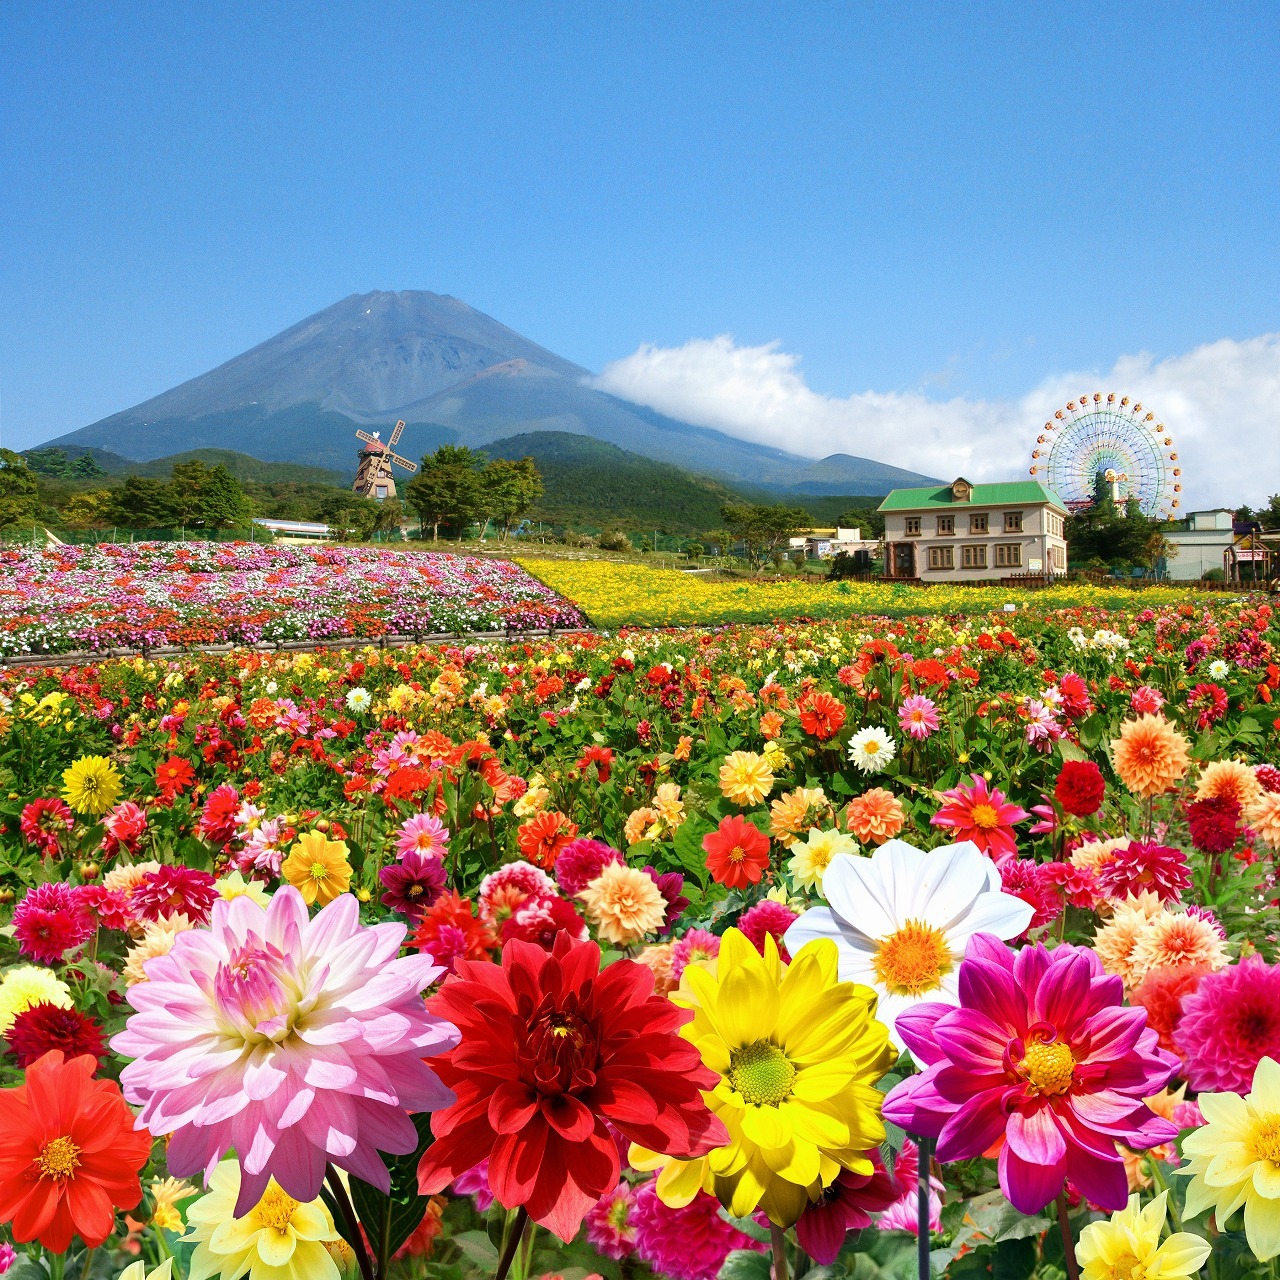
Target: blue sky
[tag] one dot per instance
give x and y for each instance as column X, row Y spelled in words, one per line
column 955, row 201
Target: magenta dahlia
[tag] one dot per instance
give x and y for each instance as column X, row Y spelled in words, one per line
column 690, row 1243
column 296, row 1041
column 413, row 883
column 609, row 1228
column 1036, row 884
column 1228, row 1024
column 671, row 885
column 50, row 921
column 767, row 917
column 981, row 814
column 1144, row 867
column 580, row 862
column 169, row 891
column 1043, row 1060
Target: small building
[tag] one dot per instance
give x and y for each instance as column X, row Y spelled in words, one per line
column 298, row 530
column 1201, row 540
column 963, row 532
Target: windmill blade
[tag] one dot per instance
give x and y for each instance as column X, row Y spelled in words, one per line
column 403, row 462
column 364, row 435
column 395, row 435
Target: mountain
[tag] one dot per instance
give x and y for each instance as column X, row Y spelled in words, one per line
column 454, row 375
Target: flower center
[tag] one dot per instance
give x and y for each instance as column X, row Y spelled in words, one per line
column 275, row 1209
column 737, row 853
column 913, row 960
column 1049, row 1066
column 985, row 817
column 761, row 1073
column 58, row 1159
column 1266, row 1139
column 1127, row 1267
column 871, row 746
column 255, row 994
column 319, row 871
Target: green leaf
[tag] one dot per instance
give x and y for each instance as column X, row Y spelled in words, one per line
column 748, row 1226
column 479, row 1249
column 745, row 1264
column 399, row 1213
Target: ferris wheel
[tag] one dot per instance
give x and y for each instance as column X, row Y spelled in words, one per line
column 1106, row 445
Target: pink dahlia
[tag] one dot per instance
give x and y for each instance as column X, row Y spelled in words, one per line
column 983, row 815
column 110, row 907
column 123, row 828
column 609, row 1228
column 580, row 862
column 1145, row 700
column 1041, row 1061
column 767, row 917
column 505, row 890
column 904, row 1213
column 689, row 1243
column 296, row 1041
column 1268, row 775
column 475, row 1182
column 44, row 822
column 918, row 716
column 846, row 1205
column 1144, row 867
column 697, row 944
column 1036, row 884
column 1228, row 1024
column 168, row 891
column 50, row 921
column 423, row 833
column 413, row 883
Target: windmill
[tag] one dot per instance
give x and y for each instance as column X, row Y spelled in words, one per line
column 374, row 478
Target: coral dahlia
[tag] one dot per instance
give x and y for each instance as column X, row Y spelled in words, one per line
column 1150, row 755
column 982, row 815
column 737, row 853
column 875, row 816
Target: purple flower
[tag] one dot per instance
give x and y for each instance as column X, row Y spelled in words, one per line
column 671, row 886
column 413, row 883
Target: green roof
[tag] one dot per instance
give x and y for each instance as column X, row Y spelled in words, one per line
column 1009, row 493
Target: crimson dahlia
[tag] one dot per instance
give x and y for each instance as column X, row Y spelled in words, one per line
column 552, row 1049
column 1080, row 788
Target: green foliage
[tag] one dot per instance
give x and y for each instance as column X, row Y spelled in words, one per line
column 19, row 492
column 448, row 490
column 1105, row 534
column 508, row 489
column 763, row 530
column 54, row 462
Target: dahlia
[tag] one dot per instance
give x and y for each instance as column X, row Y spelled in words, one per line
column 166, row 1195
column 623, row 904
column 918, row 716
column 601, row 757
column 671, row 885
column 983, row 816
column 71, row 1154
column 174, row 890
column 413, row 883
column 91, row 785
column 1209, row 702
column 690, row 1242
column 1036, row 885
column 822, row 716
column 157, row 940
column 1116, row 942
column 696, row 947
column 1230, row 1022
column 1175, row 939
column 503, row 890
column 901, row 921
column 110, row 908
column 1150, row 755
column 771, row 918
column 580, row 861
column 42, row 1027
column 657, row 959
column 737, row 853
column 1043, row 1060
column 218, row 817
column 846, row 1205
column 1146, row 701
column 319, row 868
column 1235, row 1160
column 871, row 749
column 745, row 778
column 794, row 812
column 542, row 920
column 234, row 885
column 475, row 1182
column 904, row 1213
column 27, row 985
column 1133, row 1243
column 124, row 827
column 551, row 1048
column 43, row 823
column 1229, row 780
column 809, row 861
column 609, row 1229
column 794, row 1057
column 641, row 824
column 666, row 800
column 422, row 833
column 174, row 776
column 875, row 816
column 1142, row 866
column 311, row 1022
column 1268, row 776
column 1264, row 819
column 50, row 921
column 1214, row 824
column 1163, row 993
column 449, row 930
column 1080, row 788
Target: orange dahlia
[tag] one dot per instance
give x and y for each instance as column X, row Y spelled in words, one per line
column 543, row 836
column 1229, row 780
column 875, row 816
column 1150, row 755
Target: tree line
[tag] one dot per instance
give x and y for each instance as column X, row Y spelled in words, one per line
column 457, row 487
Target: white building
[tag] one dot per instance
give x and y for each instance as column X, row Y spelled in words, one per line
column 1201, row 542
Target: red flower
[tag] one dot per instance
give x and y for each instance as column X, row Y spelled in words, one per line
column 737, row 853
column 218, row 819
column 43, row 1027
column 541, row 920
column 1213, row 823
column 601, row 757
column 70, row 1155
column 982, row 815
column 1080, row 788
column 767, row 917
column 50, row 921
column 551, row 1050
column 846, row 1205
column 822, row 716
column 1144, row 866
column 174, row 776
column 1162, row 993
column 1209, row 702
column 44, row 822
column 450, row 931
column 171, row 891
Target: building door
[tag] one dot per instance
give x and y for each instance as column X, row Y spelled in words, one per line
column 902, row 560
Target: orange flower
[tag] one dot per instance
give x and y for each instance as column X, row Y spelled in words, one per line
column 822, row 716
column 771, row 725
column 683, row 748
column 1229, row 780
column 543, row 836
column 875, row 816
column 1150, row 755
column 70, row 1156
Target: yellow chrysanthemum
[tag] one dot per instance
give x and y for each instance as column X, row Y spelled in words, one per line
column 26, row 985
column 318, row 868
column 810, row 860
column 1129, row 1245
column 91, row 785
column 278, row 1239
column 1235, row 1160
column 623, row 904
column 798, row 1053
column 166, row 1193
column 745, row 778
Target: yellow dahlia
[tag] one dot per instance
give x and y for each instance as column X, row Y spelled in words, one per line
column 1150, row 755
column 26, row 985
column 745, row 778
column 798, row 1053
column 1129, row 1245
column 623, row 904
column 166, row 1194
column 235, row 886
column 666, row 800
column 91, row 785
column 810, row 860
column 318, row 868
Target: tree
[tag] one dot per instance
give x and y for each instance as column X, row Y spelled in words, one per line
column 447, row 489
column 223, row 503
column 508, row 489
column 19, row 492
column 141, row 502
column 1104, row 533
column 89, row 510
column 763, row 530
column 85, row 468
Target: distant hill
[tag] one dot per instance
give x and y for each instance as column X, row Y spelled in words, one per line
column 454, row 375
column 241, row 465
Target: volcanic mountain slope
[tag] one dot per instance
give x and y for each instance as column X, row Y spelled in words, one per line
column 454, row 375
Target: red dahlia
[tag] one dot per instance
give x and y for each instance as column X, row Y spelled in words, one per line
column 552, row 1049
column 1080, row 788
column 42, row 1027
column 1213, row 823
column 171, row 891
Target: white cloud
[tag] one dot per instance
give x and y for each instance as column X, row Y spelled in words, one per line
column 1221, row 403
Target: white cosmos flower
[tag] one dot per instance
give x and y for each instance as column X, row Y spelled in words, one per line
column 902, row 918
column 1219, row 670
column 871, row 749
column 359, row 699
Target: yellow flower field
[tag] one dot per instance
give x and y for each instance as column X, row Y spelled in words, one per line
column 615, row 594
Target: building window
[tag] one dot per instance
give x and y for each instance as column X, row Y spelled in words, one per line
column 975, row 558
column 1008, row 555
column 913, row 526
column 942, row 558
column 1013, row 522
column 946, row 526
column 978, row 524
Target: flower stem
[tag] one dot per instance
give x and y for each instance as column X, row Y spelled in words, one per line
column 1068, row 1245
column 924, row 1236
column 352, row 1222
column 779, row 1242
column 88, row 1262
column 513, row 1242
column 57, row 1264
column 1174, row 1216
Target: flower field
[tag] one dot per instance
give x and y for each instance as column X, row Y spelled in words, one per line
column 615, row 594
column 147, row 595
column 741, row 952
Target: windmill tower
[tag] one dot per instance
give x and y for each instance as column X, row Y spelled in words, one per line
column 374, row 478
